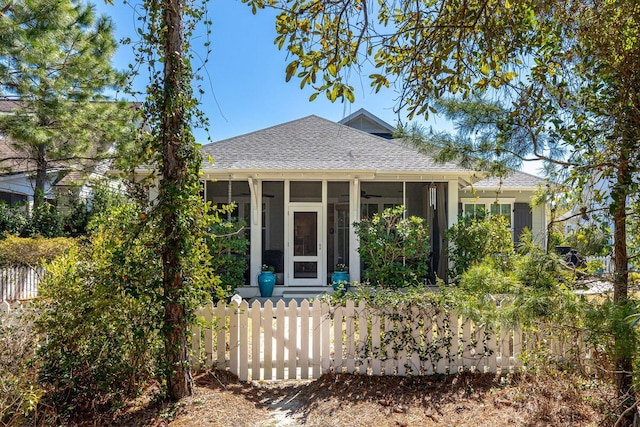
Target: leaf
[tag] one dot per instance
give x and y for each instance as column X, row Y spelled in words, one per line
column 332, row 70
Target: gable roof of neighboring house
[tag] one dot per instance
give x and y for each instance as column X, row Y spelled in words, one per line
column 316, row 144
column 515, row 181
column 367, row 122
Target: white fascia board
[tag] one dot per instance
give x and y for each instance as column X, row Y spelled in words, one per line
column 337, row 174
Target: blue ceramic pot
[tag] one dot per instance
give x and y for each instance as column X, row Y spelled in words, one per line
column 266, row 283
column 340, row 282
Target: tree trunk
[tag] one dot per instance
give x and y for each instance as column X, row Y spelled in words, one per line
column 179, row 380
column 623, row 338
column 41, row 176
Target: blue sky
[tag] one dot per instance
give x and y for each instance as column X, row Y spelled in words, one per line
column 244, row 80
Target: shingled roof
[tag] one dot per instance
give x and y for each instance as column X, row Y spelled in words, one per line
column 516, row 180
column 314, row 143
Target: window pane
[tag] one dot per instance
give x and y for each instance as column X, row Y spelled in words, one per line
column 469, row 210
column 306, row 191
column 305, row 270
column 305, row 233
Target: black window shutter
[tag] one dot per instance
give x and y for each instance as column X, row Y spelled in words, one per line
column 522, row 218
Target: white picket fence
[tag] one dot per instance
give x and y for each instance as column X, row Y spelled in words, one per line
column 304, row 341
column 19, row 283
column 607, row 263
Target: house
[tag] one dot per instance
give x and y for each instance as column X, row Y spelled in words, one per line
column 300, row 185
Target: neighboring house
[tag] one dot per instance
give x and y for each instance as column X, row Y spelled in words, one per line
column 65, row 179
column 300, row 186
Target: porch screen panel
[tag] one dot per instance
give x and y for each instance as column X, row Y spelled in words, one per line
column 305, row 238
column 305, row 228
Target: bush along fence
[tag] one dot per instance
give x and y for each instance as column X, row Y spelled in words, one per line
column 607, row 263
column 306, row 340
column 19, row 283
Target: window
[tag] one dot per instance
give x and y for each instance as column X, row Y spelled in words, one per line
column 475, row 210
column 479, row 208
column 502, row 209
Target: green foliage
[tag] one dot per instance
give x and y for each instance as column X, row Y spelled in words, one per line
column 18, row 369
column 32, row 251
column 56, row 58
column 228, row 246
column 101, row 308
column 45, row 220
column 395, row 250
column 611, row 330
column 474, row 239
column 589, row 240
column 13, row 218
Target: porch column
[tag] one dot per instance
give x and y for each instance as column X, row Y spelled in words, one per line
column 354, row 215
column 255, row 188
column 452, row 205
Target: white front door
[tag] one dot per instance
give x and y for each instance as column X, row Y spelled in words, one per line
column 305, row 254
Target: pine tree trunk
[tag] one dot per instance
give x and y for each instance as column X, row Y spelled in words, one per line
column 41, row 176
column 623, row 342
column 179, row 380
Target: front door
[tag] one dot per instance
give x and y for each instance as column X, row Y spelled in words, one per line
column 305, row 260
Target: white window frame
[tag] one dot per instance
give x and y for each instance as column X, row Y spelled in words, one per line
column 487, row 202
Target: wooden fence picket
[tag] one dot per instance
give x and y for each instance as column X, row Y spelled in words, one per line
column 304, row 340
column 279, row 335
column 221, row 336
column 376, row 365
column 256, row 334
column 325, row 330
column 454, row 349
column 350, row 336
column 337, row 339
column 267, row 327
column 363, row 338
column 292, row 345
column 316, row 333
column 234, row 338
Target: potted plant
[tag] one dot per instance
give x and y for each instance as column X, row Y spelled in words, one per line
column 340, row 279
column 266, row 281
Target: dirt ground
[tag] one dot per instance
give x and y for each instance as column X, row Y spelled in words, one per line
column 352, row 400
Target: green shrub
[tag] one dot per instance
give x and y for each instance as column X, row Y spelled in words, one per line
column 102, row 311
column 395, row 251
column 472, row 240
column 590, row 240
column 13, row 219
column 45, row 220
column 34, row 251
column 19, row 389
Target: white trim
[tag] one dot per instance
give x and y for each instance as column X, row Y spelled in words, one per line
column 290, row 259
column 255, row 255
column 354, row 244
